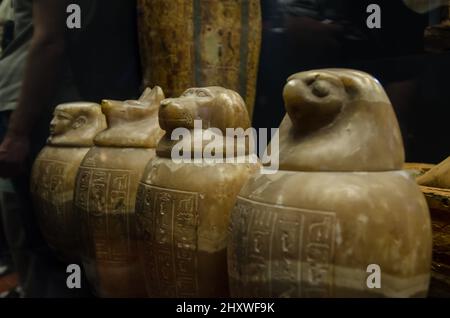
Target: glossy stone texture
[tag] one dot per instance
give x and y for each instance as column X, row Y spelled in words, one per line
column 183, row 208
column 438, row 176
column 195, row 43
column 339, row 203
column 72, row 132
column 106, row 192
column 435, row 184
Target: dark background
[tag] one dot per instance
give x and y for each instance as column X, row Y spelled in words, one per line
column 296, row 39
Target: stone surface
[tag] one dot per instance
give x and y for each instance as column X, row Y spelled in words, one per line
column 339, row 120
column 183, row 208
column 132, row 123
column 73, row 129
column 76, row 125
column 439, row 204
column 339, row 203
column 438, row 176
column 216, row 107
column 416, row 169
column 438, row 200
column 106, row 190
column 313, row 234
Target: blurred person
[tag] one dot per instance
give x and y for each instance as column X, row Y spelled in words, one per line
column 6, row 23
column 99, row 60
column 313, row 34
column 8, row 199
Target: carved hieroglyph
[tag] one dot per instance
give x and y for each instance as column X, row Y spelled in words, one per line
column 284, row 234
column 339, row 203
column 183, row 209
column 196, row 43
column 72, row 132
column 106, row 192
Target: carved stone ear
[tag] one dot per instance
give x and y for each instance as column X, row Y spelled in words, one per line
column 153, row 97
column 145, row 95
column 79, row 122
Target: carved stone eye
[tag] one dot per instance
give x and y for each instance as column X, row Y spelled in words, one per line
column 202, row 94
column 321, row 89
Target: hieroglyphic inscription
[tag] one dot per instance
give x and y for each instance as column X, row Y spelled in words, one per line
column 103, row 196
column 167, row 221
column 279, row 251
column 48, row 188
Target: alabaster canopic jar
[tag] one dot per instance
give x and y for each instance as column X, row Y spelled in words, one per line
column 106, row 192
column 183, row 207
column 72, row 132
column 339, row 205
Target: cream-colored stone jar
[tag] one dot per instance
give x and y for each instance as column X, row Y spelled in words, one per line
column 72, row 132
column 106, row 192
column 340, row 208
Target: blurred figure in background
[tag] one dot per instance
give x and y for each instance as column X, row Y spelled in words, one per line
column 8, row 199
column 46, row 64
column 6, row 23
column 302, row 35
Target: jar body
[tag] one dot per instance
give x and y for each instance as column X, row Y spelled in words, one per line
column 316, row 234
column 52, row 188
column 183, row 217
column 105, row 198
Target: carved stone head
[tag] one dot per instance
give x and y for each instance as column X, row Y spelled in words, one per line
column 339, row 120
column 76, row 124
column 216, row 107
column 132, row 123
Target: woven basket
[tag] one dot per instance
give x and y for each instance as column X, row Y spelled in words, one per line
column 439, row 204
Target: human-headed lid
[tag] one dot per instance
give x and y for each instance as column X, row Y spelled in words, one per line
column 338, row 120
column 76, row 124
column 132, row 123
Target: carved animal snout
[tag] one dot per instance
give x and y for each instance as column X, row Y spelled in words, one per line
column 175, row 113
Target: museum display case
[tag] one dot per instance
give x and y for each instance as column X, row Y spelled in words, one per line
column 280, row 149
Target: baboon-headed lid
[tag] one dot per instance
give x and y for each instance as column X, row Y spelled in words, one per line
column 216, row 111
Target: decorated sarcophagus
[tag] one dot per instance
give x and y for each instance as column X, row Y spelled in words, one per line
column 340, row 218
column 72, row 133
column 188, row 191
column 196, row 43
column 106, row 192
